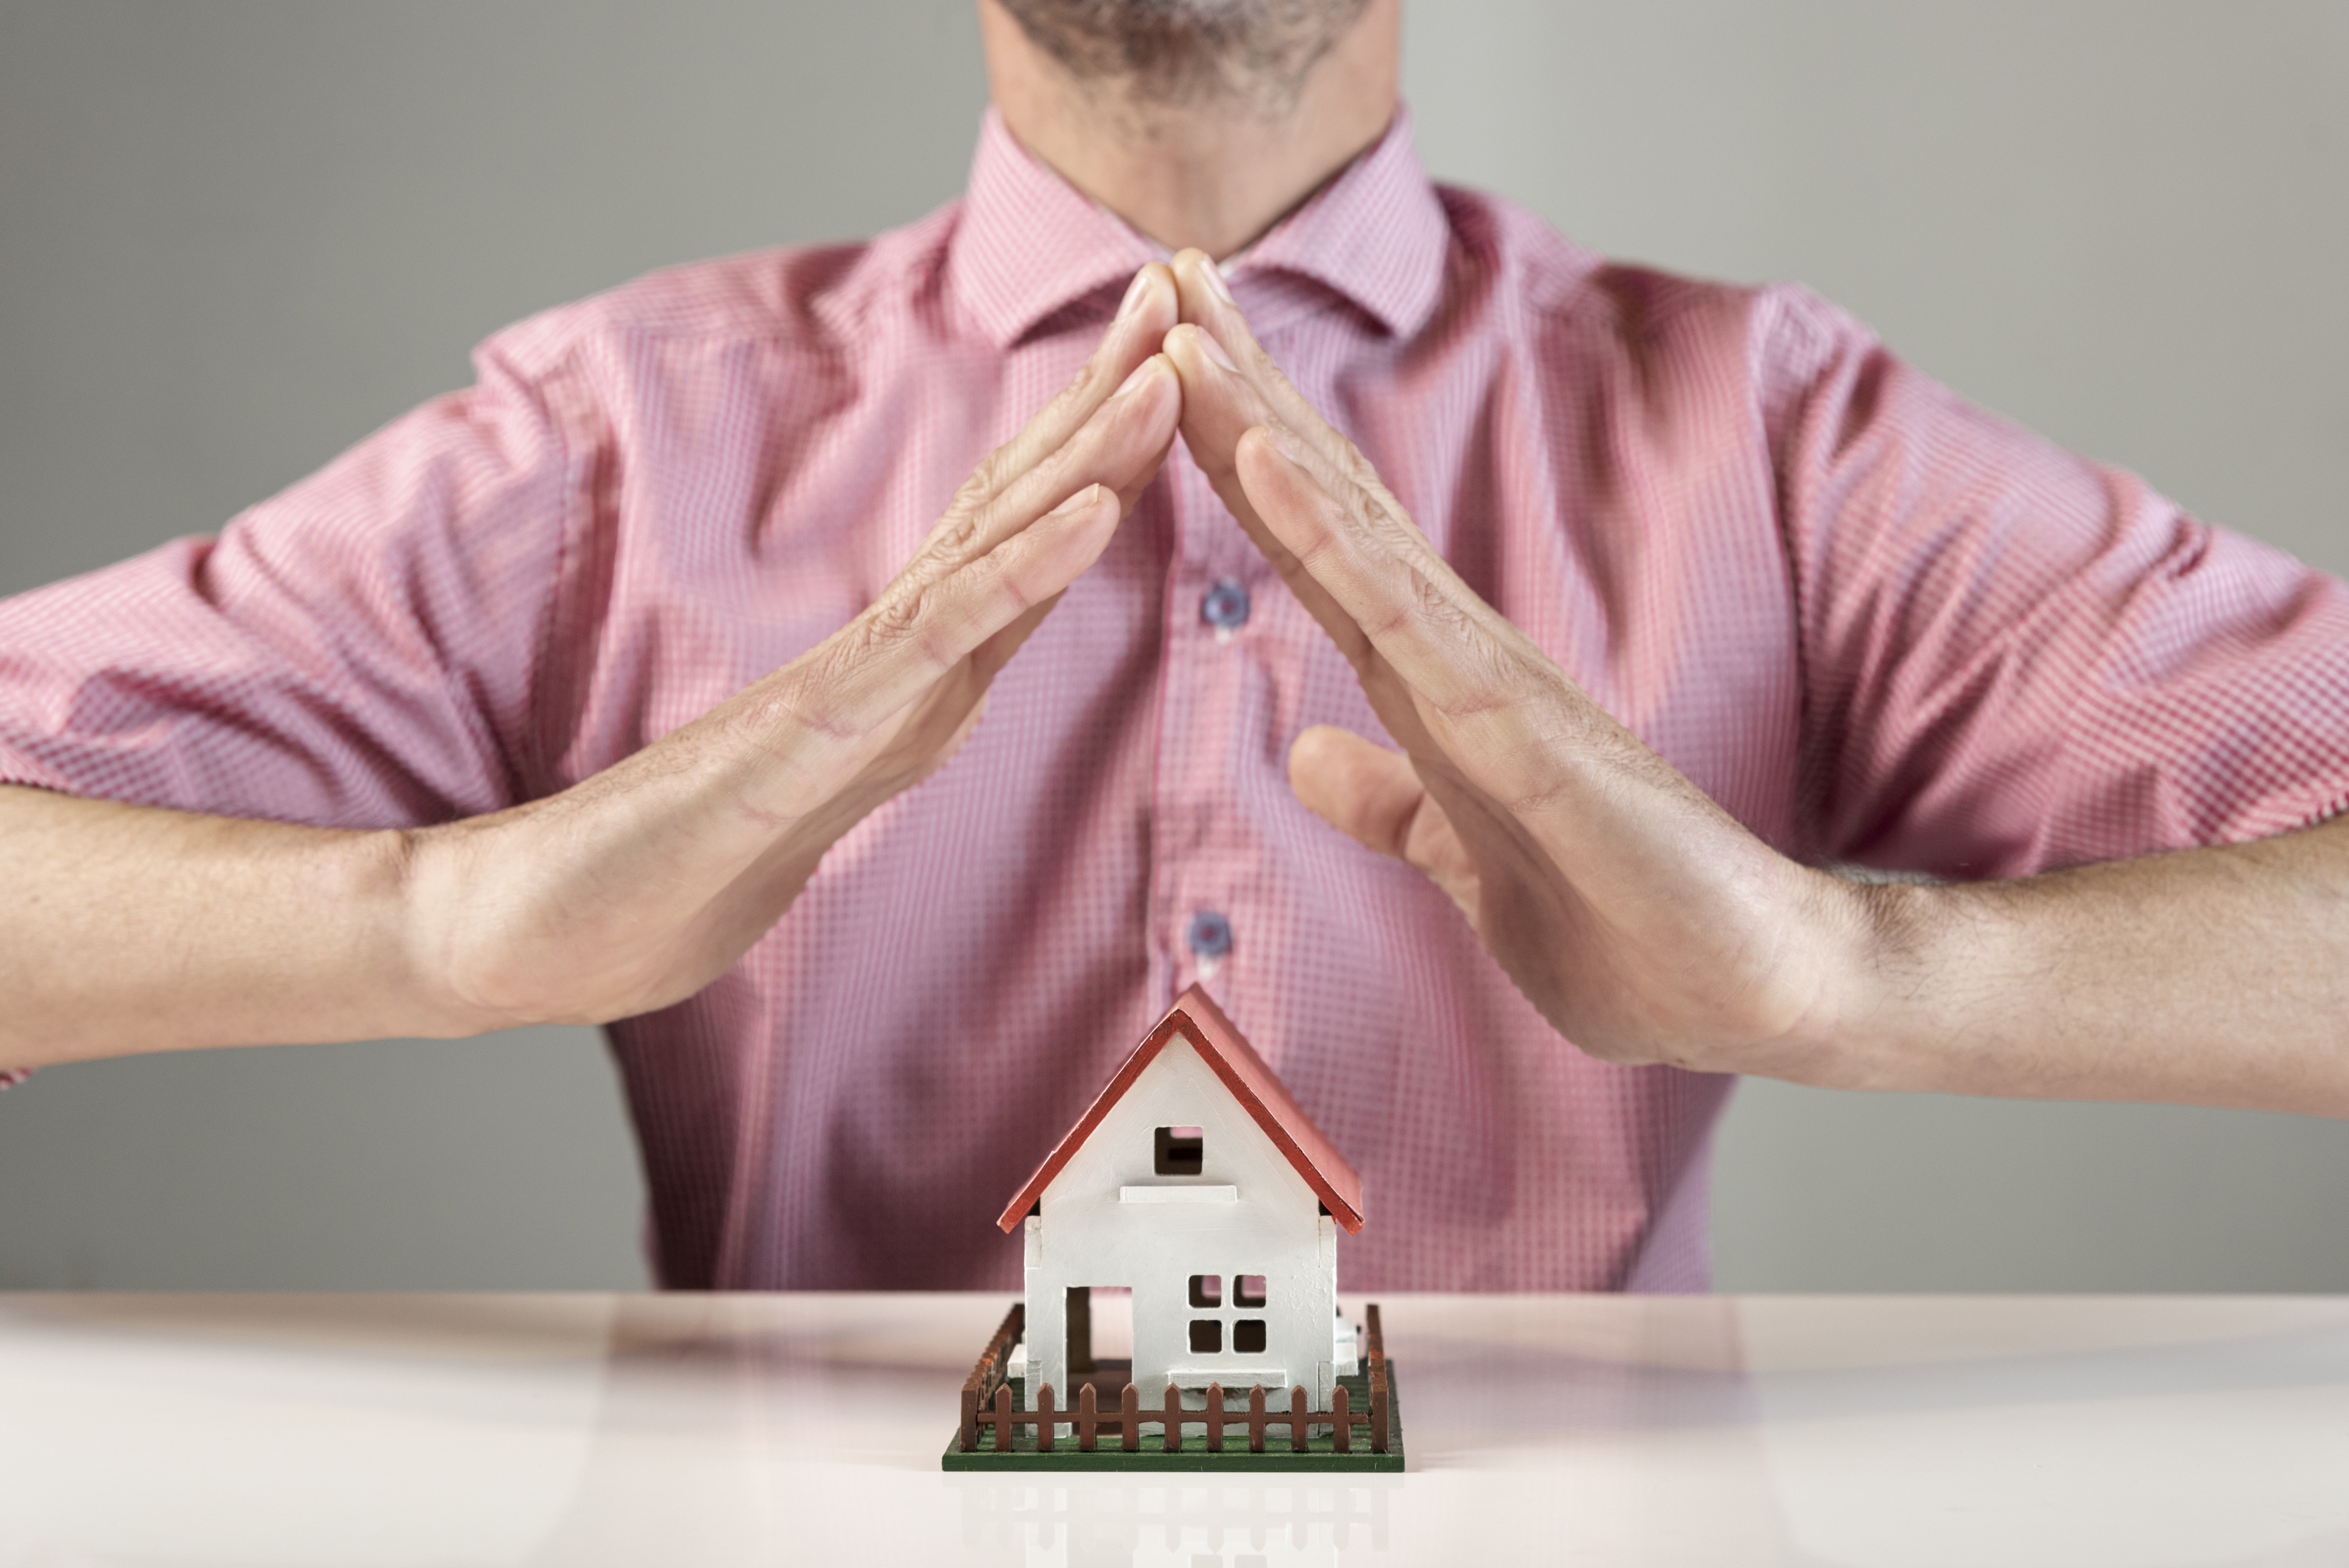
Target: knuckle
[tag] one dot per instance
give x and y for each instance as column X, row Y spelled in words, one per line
column 1082, row 388
column 1532, row 784
column 1427, row 596
column 892, row 619
column 907, row 619
column 1008, row 587
column 983, row 481
column 1314, row 550
column 797, row 701
column 957, row 533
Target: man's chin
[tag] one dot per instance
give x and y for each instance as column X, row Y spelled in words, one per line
column 1189, row 51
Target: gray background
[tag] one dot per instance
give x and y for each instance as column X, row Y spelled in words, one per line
column 237, row 234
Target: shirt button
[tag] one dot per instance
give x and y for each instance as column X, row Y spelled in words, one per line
column 1210, row 934
column 1226, row 608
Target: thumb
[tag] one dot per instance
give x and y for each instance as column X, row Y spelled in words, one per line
column 1365, row 791
column 1374, row 797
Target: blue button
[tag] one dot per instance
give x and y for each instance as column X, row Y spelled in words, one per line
column 1225, row 607
column 1210, row 934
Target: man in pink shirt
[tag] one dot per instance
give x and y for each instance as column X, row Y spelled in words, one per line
column 1596, row 609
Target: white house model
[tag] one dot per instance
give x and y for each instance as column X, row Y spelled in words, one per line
column 1196, row 1182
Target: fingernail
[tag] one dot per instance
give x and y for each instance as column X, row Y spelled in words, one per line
column 1134, row 293
column 1088, row 497
column 1142, row 373
column 1214, row 351
column 1222, row 290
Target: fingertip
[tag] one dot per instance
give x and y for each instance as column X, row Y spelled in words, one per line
column 1261, row 447
column 1136, row 292
column 1314, row 739
column 1261, row 471
column 1320, row 748
column 1308, row 783
column 1363, row 790
column 1211, row 347
column 1205, row 292
column 1141, row 389
column 1186, row 262
column 1322, row 767
column 1194, row 351
column 1082, row 501
column 1141, row 375
column 1154, row 297
column 1307, row 754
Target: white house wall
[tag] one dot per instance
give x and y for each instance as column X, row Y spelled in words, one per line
column 1271, row 1225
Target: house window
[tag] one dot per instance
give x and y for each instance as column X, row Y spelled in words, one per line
column 1248, row 1290
column 1206, row 1337
column 1207, row 1290
column 1179, row 1151
column 1247, row 1336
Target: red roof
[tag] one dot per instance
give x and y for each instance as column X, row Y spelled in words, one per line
column 1195, row 1017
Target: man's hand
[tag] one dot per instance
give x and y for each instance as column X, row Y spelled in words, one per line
column 639, row 886
column 144, row 930
column 1648, row 926
column 1645, row 923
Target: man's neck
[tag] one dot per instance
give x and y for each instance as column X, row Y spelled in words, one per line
column 1212, row 174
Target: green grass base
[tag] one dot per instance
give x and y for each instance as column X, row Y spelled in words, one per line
column 1319, row 1453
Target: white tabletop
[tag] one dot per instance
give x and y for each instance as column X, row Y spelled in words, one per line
column 457, row 1430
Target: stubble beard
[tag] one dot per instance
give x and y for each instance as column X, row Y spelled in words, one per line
column 1248, row 54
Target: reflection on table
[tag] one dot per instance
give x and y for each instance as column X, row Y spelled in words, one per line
column 806, row 1428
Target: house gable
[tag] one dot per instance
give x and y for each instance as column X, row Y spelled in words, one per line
column 1197, row 1020
column 1245, row 1189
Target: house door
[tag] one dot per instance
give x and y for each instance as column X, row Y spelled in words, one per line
column 1101, row 1330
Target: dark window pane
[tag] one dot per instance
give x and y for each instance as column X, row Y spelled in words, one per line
column 1247, row 1336
column 1178, row 1151
column 1206, row 1337
column 1248, row 1290
column 1207, row 1290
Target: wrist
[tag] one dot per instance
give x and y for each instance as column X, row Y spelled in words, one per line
column 1921, row 967
column 436, row 961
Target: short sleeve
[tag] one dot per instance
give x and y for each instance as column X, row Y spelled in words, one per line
column 2015, row 659
column 359, row 651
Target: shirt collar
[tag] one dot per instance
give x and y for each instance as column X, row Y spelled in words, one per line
column 1028, row 246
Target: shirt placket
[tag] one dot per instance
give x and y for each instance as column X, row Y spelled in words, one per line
column 1205, row 901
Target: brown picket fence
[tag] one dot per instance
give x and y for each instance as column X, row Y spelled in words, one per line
column 986, row 1404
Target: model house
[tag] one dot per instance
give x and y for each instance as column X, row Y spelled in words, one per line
column 1198, row 1182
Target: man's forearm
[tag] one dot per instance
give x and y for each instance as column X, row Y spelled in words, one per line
column 127, row 929
column 1648, row 925
column 2216, row 976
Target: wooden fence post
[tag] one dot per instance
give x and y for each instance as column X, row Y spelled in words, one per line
column 1297, row 1425
column 1341, row 1419
column 1169, row 1409
column 987, row 1373
column 1215, row 1417
column 1088, row 1406
column 1003, row 1418
column 1381, row 1398
column 1256, row 1418
column 1044, row 1420
column 1129, row 1412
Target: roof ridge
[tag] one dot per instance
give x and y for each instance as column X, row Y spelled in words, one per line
column 1195, row 1017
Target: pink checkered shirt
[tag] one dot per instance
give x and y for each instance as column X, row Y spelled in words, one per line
column 1878, row 625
